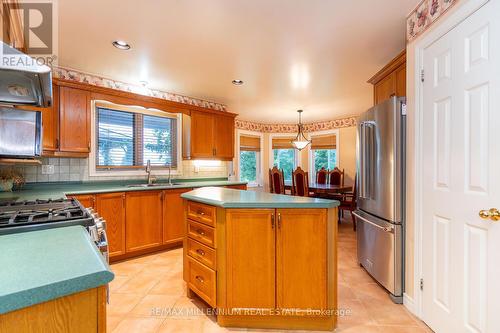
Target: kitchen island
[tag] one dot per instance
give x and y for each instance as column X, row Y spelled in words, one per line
column 262, row 260
column 53, row 280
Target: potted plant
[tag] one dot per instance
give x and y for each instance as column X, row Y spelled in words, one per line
column 10, row 178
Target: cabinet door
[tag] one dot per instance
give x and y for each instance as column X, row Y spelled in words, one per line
column 224, row 137
column 401, row 81
column 87, row 200
column 74, row 120
column 50, row 123
column 301, row 239
column 385, row 88
column 250, row 260
column 143, row 221
column 111, row 206
column 173, row 216
column 237, row 187
column 202, row 135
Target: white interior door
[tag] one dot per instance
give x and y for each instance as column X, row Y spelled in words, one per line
column 461, row 176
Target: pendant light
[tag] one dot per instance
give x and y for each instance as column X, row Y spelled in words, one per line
column 300, row 141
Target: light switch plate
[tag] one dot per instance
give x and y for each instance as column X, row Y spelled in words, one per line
column 47, row 169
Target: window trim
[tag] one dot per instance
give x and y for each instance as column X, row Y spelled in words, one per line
column 260, row 173
column 95, row 171
column 312, row 171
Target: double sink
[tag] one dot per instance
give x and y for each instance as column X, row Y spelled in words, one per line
column 157, row 185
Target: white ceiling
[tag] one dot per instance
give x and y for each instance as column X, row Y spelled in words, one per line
column 311, row 54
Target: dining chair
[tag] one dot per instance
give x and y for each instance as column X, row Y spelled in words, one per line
column 336, row 177
column 349, row 203
column 300, row 183
column 322, row 176
column 276, row 180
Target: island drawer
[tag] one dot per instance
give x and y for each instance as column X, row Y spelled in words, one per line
column 202, row 213
column 200, row 252
column 202, row 233
column 201, row 279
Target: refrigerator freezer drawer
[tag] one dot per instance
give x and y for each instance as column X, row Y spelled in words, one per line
column 380, row 251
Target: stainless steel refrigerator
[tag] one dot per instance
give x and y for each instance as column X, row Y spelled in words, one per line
column 380, row 213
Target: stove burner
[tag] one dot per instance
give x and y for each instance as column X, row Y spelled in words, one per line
column 18, row 213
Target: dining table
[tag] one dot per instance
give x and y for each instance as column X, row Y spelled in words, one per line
column 323, row 188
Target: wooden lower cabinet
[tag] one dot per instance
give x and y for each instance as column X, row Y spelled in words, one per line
column 250, row 260
column 87, row 200
column 237, row 187
column 143, row 226
column 301, row 242
column 83, row 312
column 111, row 206
column 173, row 212
column 280, row 261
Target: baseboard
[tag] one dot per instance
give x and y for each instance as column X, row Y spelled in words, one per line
column 409, row 303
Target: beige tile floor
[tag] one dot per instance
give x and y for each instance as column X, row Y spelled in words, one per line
column 148, row 295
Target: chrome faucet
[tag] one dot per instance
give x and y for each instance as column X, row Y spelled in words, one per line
column 148, row 171
column 169, row 174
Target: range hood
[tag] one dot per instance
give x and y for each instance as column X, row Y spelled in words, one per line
column 23, row 81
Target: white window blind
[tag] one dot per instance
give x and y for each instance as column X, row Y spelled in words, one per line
column 129, row 139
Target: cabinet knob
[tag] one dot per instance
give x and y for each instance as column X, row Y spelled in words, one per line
column 200, row 278
column 200, row 252
column 201, row 232
column 200, row 213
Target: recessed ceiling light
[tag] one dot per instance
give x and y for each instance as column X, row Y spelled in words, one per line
column 122, row 45
column 237, row 82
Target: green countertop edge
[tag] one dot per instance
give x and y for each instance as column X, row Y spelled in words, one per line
column 99, row 276
column 60, row 190
column 56, row 290
column 244, row 199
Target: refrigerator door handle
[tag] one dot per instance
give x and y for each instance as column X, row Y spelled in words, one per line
column 386, row 229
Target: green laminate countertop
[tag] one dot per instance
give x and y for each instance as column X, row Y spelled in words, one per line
column 39, row 266
column 60, row 190
column 229, row 198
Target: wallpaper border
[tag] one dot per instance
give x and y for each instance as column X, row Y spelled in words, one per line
column 292, row 128
column 100, row 81
column 424, row 15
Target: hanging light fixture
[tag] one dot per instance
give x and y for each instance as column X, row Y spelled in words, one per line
column 300, row 141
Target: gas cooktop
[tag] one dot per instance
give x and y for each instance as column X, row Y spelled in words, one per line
column 18, row 216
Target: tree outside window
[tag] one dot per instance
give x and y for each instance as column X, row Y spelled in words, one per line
column 285, row 159
column 248, row 166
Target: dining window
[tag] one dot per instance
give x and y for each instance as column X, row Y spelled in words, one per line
column 127, row 139
column 324, row 152
column 250, row 151
column 284, row 156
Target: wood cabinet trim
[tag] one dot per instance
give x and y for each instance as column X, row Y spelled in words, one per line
column 389, row 68
column 141, row 100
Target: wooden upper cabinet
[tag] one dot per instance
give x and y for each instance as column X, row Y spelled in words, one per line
column 400, row 75
column 74, row 120
column 391, row 80
column 224, row 137
column 301, row 241
column 143, row 221
column 111, row 206
column 50, row 123
column 251, row 260
column 208, row 135
column 173, row 216
column 202, row 135
column 385, row 89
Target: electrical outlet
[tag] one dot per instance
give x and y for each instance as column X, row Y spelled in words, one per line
column 196, row 169
column 47, row 169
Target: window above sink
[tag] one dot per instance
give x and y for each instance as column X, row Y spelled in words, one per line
column 125, row 137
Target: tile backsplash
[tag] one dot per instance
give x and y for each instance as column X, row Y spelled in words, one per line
column 77, row 169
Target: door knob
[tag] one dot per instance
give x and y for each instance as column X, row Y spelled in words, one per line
column 492, row 214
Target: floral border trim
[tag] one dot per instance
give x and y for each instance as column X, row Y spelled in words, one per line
column 426, row 13
column 95, row 80
column 292, row 128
